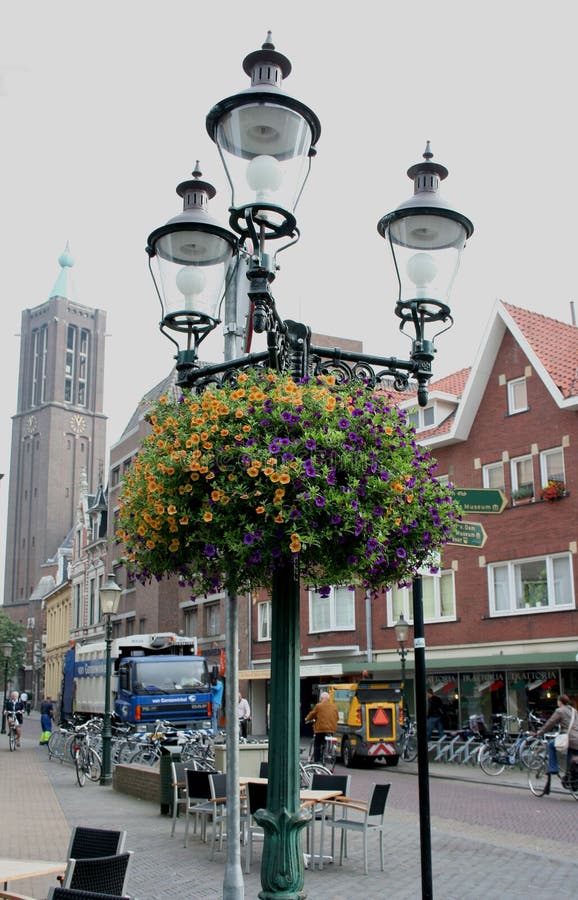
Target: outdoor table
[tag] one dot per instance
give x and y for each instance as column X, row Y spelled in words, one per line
column 14, row 869
column 313, row 798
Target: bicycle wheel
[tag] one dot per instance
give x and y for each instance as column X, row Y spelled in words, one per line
column 80, row 766
column 56, row 745
column 145, row 756
column 528, row 752
column 308, row 771
column 94, row 765
column 538, row 777
column 487, row 761
column 12, row 739
column 410, row 748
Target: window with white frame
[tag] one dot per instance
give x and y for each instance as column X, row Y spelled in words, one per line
column 522, row 473
column 422, row 418
column 517, row 396
column 552, row 466
column 531, row 585
column 493, row 476
column 264, row 621
column 439, row 600
column 191, row 618
column 333, row 613
column 212, row 619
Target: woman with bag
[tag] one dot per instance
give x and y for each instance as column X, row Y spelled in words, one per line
column 565, row 716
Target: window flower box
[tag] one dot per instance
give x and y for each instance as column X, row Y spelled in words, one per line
column 553, row 490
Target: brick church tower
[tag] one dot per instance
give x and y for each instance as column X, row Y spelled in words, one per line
column 58, row 432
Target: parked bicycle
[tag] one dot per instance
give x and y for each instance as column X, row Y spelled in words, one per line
column 87, row 762
column 11, row 728
column 502, row 749
column 308, row 770
column 406, row 744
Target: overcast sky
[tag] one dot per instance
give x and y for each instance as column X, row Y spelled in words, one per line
column 102, row 113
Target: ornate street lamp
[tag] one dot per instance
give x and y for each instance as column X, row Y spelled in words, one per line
column 266, row 140
column 401, row 628
column 6, row 653
column 109, row 601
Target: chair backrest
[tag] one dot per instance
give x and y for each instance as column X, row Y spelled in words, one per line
column 257, row 795
column 218, row 785
column 264, row 770
column 178, row 773
column 60, row 893
column 107, row 874
column 88, row 843
column 198, row 786
column 321, row 782
column 377, row 800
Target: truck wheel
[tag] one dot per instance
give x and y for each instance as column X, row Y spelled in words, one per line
column 347, row 753
column 391, row 761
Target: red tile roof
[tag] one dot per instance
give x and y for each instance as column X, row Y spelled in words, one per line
column 554, row 343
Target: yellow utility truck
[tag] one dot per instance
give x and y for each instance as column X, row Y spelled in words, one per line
column 370, row 718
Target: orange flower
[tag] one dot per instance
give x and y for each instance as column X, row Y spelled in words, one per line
column 207, row 516
column 171, row 510
column 285, row 478
column 252, row 471
column 260, row 510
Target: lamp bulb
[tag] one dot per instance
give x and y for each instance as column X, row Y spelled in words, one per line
column 421, row 269
column 264, row 174
column 190, row 282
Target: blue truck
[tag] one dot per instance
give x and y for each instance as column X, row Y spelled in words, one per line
column 154, row 676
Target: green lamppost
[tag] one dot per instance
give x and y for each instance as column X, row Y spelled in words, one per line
column 267, row 140
column 109, row 601
column 401, row 628
column 6, row 648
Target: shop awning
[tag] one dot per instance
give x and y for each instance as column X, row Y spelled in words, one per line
column 439, row 663
column 306, row 671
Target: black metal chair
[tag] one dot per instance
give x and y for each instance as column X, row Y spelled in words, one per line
column 264, row 770
column 322, row 782
column 218, row 785
column 103, row 874
column 256, row 799
column 88, row 843
column 179, row 786
column 198, row 805
column 61, row 893
column 373, row 812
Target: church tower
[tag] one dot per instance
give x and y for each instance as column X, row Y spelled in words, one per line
column 58, row 432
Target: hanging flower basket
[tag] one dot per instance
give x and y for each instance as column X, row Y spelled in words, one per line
column 233, row 482
column 553, row 490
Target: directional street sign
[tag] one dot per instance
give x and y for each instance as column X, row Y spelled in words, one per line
column 469, row 534
column 481, row 500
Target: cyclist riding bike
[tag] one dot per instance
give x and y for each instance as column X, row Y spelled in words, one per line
column 15, row 712
column 325, row 718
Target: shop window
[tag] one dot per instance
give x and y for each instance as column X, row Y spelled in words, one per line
column 333, row 613
column 264, row 621
column 517, row 396
column 538, row 584
column 439, row 601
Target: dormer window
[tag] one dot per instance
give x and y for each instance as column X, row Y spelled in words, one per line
column 422, row 418
column 517, row 396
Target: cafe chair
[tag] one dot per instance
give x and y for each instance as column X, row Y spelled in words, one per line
column 179, row 789
column 61, row 893
column 264, row 769
column 198, row 804
column 256, row 799
column 90, row 843
column 373, row 814
column 321, row 782
column 218, row 785
column 103, row 874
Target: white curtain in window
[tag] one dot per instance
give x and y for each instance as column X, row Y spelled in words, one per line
column 447, row 599
column 320, row 612
column 344, row 608
column 429, row 599
column 562, row 583
column 501, row 599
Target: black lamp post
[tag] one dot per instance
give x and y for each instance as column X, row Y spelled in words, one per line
column 109, row 601
column 6, row 653
column 267, row 140
column 401, row 628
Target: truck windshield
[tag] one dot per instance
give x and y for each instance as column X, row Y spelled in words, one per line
column 171, row 676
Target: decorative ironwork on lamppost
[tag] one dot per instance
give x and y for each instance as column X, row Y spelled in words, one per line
column 267, row 140
column 109, row 602
column 401, row 628
column 6, row 648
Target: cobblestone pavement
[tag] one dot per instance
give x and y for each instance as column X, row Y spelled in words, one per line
column 504, row 844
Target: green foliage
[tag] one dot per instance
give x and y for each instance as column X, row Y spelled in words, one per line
column 13, row 633
column 233, row 483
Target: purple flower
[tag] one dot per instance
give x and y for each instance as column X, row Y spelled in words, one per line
column 335, row 519
column 400, row 552
column 249, row 538
column 320, row 500
column 324, row 591
column 343, row 423
column 310, row 444
column 310, row 468
column 210, row 550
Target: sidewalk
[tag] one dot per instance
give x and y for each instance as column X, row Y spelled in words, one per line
column 41, row 802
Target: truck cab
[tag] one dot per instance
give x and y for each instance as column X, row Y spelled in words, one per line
column 370, row 716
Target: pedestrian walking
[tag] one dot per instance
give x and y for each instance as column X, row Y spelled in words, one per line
column 216, row 702
column 435, row 715
column 244, row 714
column 46, row 719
